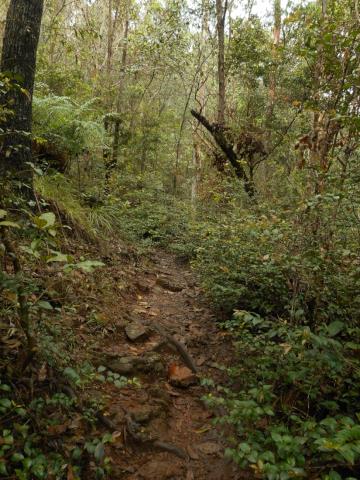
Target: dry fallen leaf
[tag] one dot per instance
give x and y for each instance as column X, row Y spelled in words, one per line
column 203, row 430
column 70, row 473
column 42, row 373
column 57, row 429
column 192, row 453
column 181, row 376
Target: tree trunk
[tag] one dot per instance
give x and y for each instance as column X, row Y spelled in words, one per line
column 121, row 89
column 196, row 160
column 317, row 154
column 200, row 98
column 122, row 76
column 109, row 53
column 21, row 39
column 116, row 143
column 220, row 16
column 274, row 55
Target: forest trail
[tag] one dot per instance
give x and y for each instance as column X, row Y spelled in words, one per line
column 168, row 296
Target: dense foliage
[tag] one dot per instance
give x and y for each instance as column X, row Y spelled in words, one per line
column 265, row 207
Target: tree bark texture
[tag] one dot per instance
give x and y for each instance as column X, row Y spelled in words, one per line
column 18, row 59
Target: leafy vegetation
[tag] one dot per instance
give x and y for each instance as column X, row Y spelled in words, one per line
column 295, row 409
column 231, row 141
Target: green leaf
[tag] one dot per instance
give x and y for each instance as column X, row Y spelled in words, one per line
column 28, row 463
column 44, row 305
column 3, row 213
column 17, row 457
column 20, row 474
column 49, row 219
column 76, row 454
column 120, row 383
column 8, row 223
column 3, row 470
column 5, row 403
column 72, row 375
column 21, row 411
column 333, row 475
column 99, row 452
column 88, row 266
column 58, row 257
column 348, row 454
column 5, row 388
column 335, row 327
column 8, row 440
column 245, row 447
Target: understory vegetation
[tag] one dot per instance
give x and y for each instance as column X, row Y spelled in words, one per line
column 138, row 143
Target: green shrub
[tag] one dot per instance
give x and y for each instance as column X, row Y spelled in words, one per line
column 71, row 126
column 151, row 217
column 274, row 264
column 74, row 207
column 294, row 411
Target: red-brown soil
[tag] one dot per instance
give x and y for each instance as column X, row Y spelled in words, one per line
column 166, row 295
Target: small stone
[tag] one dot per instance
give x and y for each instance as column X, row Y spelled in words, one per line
column 136, row 331
column 150, row 362
column 167, row 285
column 200, row 361
column 142, row 287
column 144, row 414
column 209, row 448
column 123, row 366
column 158, row 392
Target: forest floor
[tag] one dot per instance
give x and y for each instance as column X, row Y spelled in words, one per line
column 161, row 427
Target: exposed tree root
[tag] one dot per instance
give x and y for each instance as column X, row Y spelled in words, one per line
column 133, row 428
column 179, row 347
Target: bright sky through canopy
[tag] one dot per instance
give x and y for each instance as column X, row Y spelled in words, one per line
column 263, row 8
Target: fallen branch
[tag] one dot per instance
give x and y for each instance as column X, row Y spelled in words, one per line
column 179, row 347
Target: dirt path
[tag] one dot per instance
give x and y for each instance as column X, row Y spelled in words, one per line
column 158, row 410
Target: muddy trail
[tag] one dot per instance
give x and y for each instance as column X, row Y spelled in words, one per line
column 168, row 341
